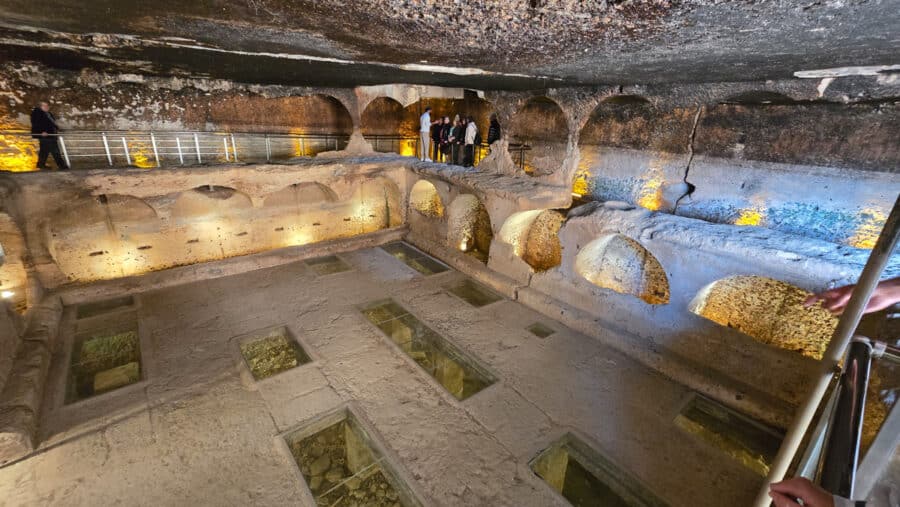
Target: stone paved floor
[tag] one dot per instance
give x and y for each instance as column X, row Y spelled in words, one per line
column 196, row 432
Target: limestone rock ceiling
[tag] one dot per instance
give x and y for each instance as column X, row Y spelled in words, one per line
column 486, row 44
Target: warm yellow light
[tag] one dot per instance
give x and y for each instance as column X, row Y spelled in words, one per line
column 408, row 148
column 580, row 185
column 140, row 156
column 7, row 294
column 17, row 153
column 650, row 196
column 867, row 232
column 463, row 245
column 749, row 216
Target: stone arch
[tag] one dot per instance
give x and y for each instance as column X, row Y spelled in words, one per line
column 534, row 236
column 619, row 263
column 382, row 117
column 542, row 126
column 469, row 227
column 470, row 105
column 300, row 194
column 425, row 199
column 768, row 310
column 209, row 202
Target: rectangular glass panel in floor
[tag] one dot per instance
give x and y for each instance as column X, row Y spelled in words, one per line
column 342, row 468
column 99, row 307
column 752, row 443
column 458, row 374
column 474, row 293
column 540, row 330
column 420, row 261
column 102, row 362
column 272, row 352
column 585, row 478
column 328, row 265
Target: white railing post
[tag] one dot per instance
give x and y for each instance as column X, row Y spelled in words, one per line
column 155, row 151
column 302, row 147
column 65, row 153
column 125, row 147
column 268, row 149
column 225, row 142
column 233, row 148
column 197, row 146
column 180, row 153
column 106, row 147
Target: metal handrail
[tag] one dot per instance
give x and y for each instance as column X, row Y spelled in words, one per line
column 163, row 147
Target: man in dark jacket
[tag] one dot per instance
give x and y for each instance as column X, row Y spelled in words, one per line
column 436, row 140
column 493, row 130
column 45, row 130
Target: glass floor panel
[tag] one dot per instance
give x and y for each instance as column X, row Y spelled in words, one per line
column 458, row 374
column 271, row 353
column 342, row 468
column 750, row 442
column 585, row 478
column 328, row 265
column 540, row 330
column 103, row 361
column 88, row 310
column 420, row 261
column 474, row 293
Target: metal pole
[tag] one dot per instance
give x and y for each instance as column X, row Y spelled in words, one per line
column 302, row 148
column 878, row 259
column 106, row 147
column 233, row 148
column 180, row 153
column 225, row 141
column 841, row 452
column 155, row 151
column 197, row 146
column 125, row 147
column 376, row 143
column 65, row 153
column 268, row 149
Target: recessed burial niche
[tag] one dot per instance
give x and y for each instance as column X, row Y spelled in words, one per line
column 412, row 257
column 619, row 263
column 342, row 465
column 103, row 361
column 271, row 351
column 425, row 199
column 88, row 310
column 771, row 311
column 534, row 236
column 750, row 442
column 473, row 293
column 451, row 368
column 469, row 227
column 586, row 479
column 540, row 330
column 328, row 265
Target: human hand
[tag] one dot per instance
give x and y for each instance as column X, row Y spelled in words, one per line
column 787, row 492
column 43, row 134
column 835, row 300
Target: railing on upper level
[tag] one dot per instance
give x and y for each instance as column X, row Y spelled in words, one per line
column 146, row 149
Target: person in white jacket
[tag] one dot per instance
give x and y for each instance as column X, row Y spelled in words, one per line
column 471, row 135
column 425, row 124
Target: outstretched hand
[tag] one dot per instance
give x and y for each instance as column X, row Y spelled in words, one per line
column 835, row 300
column 787, row 493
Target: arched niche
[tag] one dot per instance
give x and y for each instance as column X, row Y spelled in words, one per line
column 540, row 126
column 470, row 105
column 771, row 311
column 308, row 114
column 759, row 98
column 300, row 194
column 620, row 120
column 534, row 236
column 208, row 203
column 424, row 198
column 469, row 227
column 619, row 263
column 383, row 116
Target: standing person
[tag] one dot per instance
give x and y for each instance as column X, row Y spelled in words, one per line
column 456, row 132
column 425, row 124
column 471, row 134
column 494, row 129
column 461, row 141
column 446, row 129
column 436, row 139
column 45, row 130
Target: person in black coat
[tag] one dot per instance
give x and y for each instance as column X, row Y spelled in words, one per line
column 436, row 140
column 493, row 130
column 45, row 130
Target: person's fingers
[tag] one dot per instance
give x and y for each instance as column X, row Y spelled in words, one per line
column 812, row 299
column 781, row 500
column 796, row 487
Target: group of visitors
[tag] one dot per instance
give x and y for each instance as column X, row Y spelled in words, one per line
column 452, row 142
